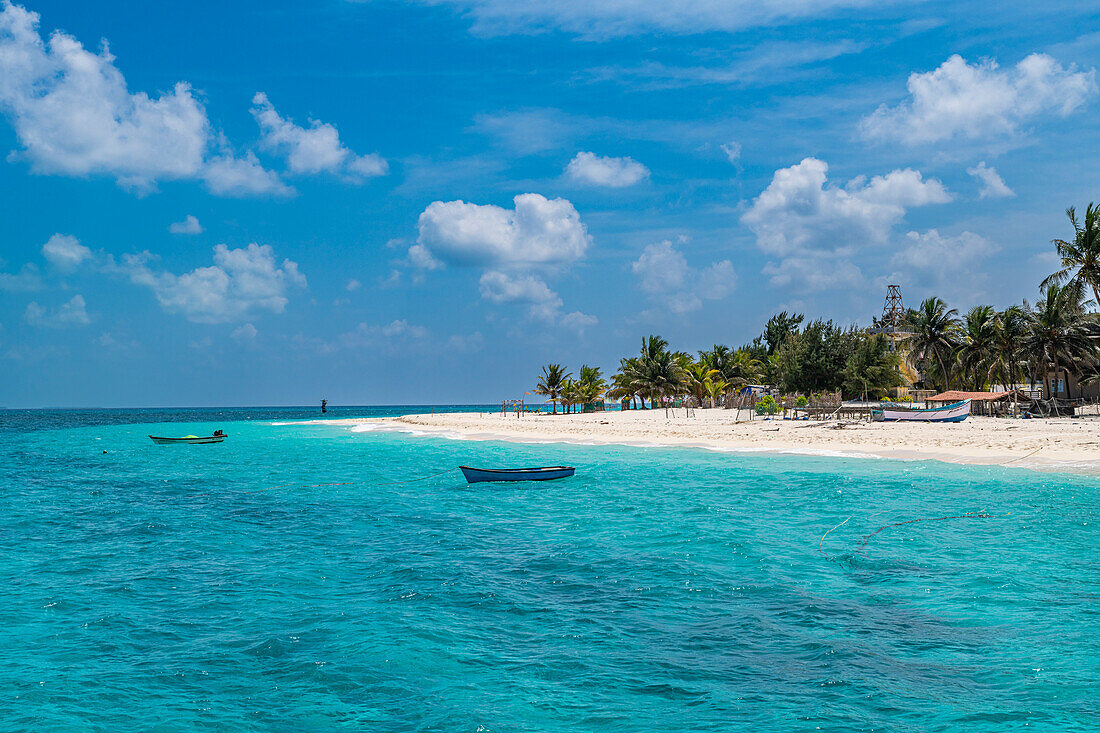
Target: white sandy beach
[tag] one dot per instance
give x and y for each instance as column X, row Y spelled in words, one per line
column 1063, row 444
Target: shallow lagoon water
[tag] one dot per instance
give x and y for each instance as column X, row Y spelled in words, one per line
column 277, row 581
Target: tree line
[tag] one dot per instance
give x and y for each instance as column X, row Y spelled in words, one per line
column 1058, row 335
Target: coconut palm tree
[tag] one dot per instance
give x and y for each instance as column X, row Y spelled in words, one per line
column 624, row 384
column 1057, row 340
column 570, row 394
column 715, row 388
column 932, row 344
column 1081, row 257
column 1008, row 357
column 696, row 378
column 551, row 381
column 591, row 384
column 977, row 347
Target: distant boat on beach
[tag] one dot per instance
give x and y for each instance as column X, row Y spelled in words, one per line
column 956, row 412
column 217, row 437
column 544, row 473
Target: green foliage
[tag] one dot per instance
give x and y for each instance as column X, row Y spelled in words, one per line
column 871, row 368
column 551, row 382
column 813, row 360
column 779, row 328
column 802, row 401
column 767, row 406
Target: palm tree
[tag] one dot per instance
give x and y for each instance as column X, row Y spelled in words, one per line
column 1081, row 257
column 715, row 388
column 696, row 378
column 1058, row 339
column 1007, row 354
column 551, row 381
column 570, row 394
column 977, row 350
column 624, row 382
column 591, row 384
column 933, row 341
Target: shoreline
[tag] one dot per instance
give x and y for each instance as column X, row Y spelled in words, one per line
column 1064, row 445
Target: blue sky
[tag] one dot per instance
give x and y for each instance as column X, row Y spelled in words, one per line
column 422, row 202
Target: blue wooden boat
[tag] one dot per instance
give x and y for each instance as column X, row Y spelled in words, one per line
column 956, row 412
column 544, row 473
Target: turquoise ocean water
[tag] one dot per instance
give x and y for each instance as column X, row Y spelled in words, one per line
column 277, row 582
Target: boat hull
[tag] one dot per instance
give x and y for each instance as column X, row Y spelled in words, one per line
column 957, row 412
column 544, row 473
column 189, row 441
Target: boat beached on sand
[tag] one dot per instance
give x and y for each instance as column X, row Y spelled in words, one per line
column 217, row 437
column 543, row 473
column 956, row 412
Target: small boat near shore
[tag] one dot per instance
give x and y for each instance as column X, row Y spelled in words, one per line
column 956, row 412
column 217, row 437
column 543, row 473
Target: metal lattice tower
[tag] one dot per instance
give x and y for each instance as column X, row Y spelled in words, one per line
column 893, row 312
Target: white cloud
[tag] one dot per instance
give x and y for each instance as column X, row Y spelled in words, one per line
column 664, row 275
column 732, row 149
column 537, row 232
column 189, row 225
column 244, row 334
column 312, row 150
column 27, row 279
column 466, row 343
column 353, row 285
column 950, row 266
column 799, row 212
column 542, row 303
column 811, row 225
column 630, row 17
column 815, row 272
column 593, row 170
column 976, row 101
column 65, row 252
column 367, row 335
column 993, row 186
column 72, row 313
column 401, row 327
column 74, row 115
column 239, row 283
column 228, row 175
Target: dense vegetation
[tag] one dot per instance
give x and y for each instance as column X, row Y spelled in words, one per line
column 1059, row 335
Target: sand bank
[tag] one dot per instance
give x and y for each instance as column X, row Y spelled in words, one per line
column 1063, row 444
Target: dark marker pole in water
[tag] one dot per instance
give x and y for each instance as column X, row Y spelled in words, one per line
column 324, row 406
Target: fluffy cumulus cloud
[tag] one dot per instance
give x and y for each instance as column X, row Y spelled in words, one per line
column 810, row 224
column 239, row 283
column 592, row 170
column 189, row 225
column 663, row 273
column 542, row 303
column 952, row 266
column 314, row 149
column 229, row 175
column 515, row 249
column 993, row 186
column 537, row 232
column 630, row 17
column 72, row 313
column 976, row 101
column 800, row 211
column 65, row 252
column 74, row 115
column 28, row 278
